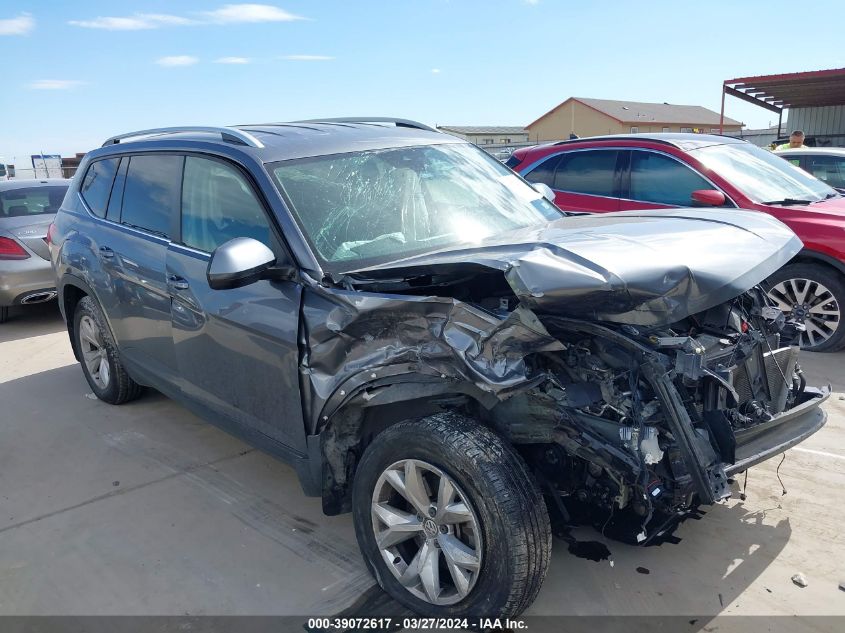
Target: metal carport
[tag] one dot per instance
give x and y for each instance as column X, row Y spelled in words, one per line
column 814, row 88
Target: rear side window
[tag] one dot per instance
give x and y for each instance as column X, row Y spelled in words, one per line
column 151, row 193
column 218, row 204
column 663, row 180
column 544, row 172
column 591, row 172
column 96, row 186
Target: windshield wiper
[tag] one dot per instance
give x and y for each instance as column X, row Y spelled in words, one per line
column 833, row 194
column 790, row 201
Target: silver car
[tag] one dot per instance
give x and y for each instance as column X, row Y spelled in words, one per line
column 27, row 207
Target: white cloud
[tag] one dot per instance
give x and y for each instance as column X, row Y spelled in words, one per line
column 227, row 14
column 307, row 58
column 136, row 22
column 21, row 25
column 435, row 71
column 54, row 84
column 177, row 60
column 232, row 60
column 234, row 13
column 532, row 2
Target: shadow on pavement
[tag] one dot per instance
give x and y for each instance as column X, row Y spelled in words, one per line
column 34, row 320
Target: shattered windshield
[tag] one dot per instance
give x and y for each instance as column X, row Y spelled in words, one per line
column 370, row 207
column 760, row 174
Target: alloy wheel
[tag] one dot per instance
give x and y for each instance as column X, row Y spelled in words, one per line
column 426, row 532
column 812, row 304
column 94, row 353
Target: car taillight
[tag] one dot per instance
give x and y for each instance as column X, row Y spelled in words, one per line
column 51, row 231
column 10, row 249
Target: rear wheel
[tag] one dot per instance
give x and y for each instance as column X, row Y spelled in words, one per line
column 449, row 519
column 4, row 314
column 100, row 361
column 815, row 296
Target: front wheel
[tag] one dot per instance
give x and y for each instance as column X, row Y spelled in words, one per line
column 4, row 314
column 813, row 295
column 449, row 519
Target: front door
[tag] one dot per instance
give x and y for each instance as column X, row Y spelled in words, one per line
column 236, row 349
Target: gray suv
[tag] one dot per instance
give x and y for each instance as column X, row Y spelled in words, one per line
column 432, row 344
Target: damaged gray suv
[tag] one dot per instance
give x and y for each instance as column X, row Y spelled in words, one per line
column 432, row 344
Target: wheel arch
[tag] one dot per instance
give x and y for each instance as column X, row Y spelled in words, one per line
column 807, row 256
column 71, row 290
column 373, row 406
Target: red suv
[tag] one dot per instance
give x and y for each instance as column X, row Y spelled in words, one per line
column 656, row 171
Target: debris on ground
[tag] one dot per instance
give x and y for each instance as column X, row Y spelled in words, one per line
column 842, row 585
column 800, row 580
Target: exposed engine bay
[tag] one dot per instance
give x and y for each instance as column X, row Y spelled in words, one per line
column 635, row 387
column 599, row 430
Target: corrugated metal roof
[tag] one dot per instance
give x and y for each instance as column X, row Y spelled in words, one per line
column 483, row 129
column 791, row 90
column 641, row 112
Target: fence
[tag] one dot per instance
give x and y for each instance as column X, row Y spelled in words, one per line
column 21, row 173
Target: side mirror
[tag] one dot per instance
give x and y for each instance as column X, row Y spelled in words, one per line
column 238, row 262
column 544, row 190
column 709, row 197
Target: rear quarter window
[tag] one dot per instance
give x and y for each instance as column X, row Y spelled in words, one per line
column 97, row 184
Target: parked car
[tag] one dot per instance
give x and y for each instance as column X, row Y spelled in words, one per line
column 432, row 344
column 659, row 171
column 503, row 153
column 825, row 163
column 26, row 209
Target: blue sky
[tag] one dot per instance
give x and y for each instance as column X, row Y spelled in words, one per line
column 76, row 72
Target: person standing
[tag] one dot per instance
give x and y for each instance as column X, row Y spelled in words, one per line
column 796, row 141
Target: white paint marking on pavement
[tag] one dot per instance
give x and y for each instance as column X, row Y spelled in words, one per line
column 822, row 453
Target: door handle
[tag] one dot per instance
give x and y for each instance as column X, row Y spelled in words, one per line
column 177, row 283
column 106, row 252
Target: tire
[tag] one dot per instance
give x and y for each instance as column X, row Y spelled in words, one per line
column 507, row 524
column 100, row 361
column 815, row 295
column 4, row 314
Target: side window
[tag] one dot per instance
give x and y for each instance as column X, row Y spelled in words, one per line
column 116, row 197
column 544, row 172
column 218, row 205
column 663, row 180
column 151, row 192
column 590, row 172
column 829, row 169
column 96, row 186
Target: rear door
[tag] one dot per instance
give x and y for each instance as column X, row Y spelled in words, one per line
column 236, row 349
column 654, row 180
column 583, row 180
column 131, row 244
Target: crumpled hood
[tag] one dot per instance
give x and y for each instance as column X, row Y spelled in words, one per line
column 644, row 268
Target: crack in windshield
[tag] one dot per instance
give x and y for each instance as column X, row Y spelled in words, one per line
column 376, row 206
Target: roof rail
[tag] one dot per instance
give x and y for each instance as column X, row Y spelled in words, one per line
column 374, row 119
column 230, row 134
